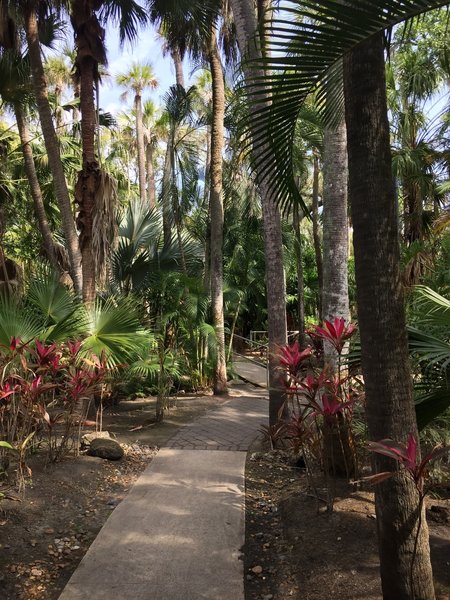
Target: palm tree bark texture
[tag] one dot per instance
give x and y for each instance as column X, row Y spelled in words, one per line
column 89, row 36
column 381, row 317
column 335, row 231
column 52, row 143
column 35, row 188
column 246, row 30
column 216, row 211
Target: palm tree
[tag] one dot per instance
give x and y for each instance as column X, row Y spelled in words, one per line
column 315, row 43
column 138, row 78
column 150, row 142
column 51, row 139
column 247, row 28
column 184, row 34
column 58, row 75
column 381, row 315
column 91, row 53
column 216, row 210
column 93, row 187
column 14, row 77
column 335, row 231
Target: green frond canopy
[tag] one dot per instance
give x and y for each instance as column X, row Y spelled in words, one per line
column 114, row 330
column 307, row 41
column 127, row 14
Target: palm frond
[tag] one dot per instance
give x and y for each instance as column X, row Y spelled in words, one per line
column 127, row 14
column 17, row 322
column 114, row 330
column 49, row 297
column 431, row 405
column 432, row 308
column 308, row 40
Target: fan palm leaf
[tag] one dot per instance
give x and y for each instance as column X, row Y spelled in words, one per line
column 114, row 330
column 17, row 322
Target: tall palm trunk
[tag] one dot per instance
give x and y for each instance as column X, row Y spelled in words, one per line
column 207, row 273
column 300, row 279
column 35, row 188
column 52, row 145
column 178, row 63
column 90, row 52
column 381, row 317
column 166, row 188
column 151, row 185
column 246, row 29
column 140, row 146
column 216, row 211
column 316, row 231
column 88, row 177
column 335, row 232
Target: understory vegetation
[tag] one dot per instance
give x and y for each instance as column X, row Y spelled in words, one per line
column 287, row 201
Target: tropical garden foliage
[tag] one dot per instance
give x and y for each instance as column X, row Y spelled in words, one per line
column 219, row 207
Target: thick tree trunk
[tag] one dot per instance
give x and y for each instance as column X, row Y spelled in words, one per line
column 246, row 30
column 35, row 188
column 140, row 147
column 381, row 317
column 206, row 195
column 88, row 178
column 89, row 36
column 316, row 231
column 216, row 211
column 151, row 185
column 335, row 232
column 413, row 211
column 52, row 146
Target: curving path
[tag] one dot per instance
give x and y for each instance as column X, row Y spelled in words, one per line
column 178, row 533
column 250, row 370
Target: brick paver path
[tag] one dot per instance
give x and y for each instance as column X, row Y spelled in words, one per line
column 233, row 426
column 179, row 532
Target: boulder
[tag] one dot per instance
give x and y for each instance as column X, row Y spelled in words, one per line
column 106, row 448
column 87, row 438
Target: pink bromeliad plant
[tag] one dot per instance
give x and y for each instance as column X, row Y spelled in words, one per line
column 292, row 357
column 407, row 455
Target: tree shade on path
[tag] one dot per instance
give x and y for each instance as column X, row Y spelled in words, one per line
column 179, row 531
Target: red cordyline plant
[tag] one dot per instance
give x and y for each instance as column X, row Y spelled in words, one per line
column 292, row 357
column 41, row 388
column 336, row 332
column 322, row 403
column 407, row 456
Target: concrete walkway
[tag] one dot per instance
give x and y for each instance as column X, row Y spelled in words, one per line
column 250, row 371
column 178, row 533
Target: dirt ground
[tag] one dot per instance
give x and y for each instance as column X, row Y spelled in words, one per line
column 290, row 551
column 293, row 552
column 45, row 533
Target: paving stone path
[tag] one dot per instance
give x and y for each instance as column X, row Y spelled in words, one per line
column 179, row 532
column 233, row 426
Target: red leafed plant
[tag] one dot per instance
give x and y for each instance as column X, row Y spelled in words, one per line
column 321, row 405
column 407, row 456
column 335, row 332
column 292, row 357
column 42, row 387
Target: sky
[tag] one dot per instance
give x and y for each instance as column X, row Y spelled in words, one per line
column 147, row 49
